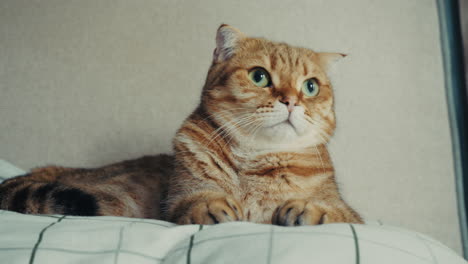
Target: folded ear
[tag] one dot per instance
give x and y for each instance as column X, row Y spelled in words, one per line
column 227, row 39
column 329, row 59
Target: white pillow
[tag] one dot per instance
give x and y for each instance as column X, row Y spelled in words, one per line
column 60, row 239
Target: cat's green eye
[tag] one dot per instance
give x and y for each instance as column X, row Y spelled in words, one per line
column 260, row 77
column 310, row 87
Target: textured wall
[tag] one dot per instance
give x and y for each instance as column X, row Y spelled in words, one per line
column 84, row 83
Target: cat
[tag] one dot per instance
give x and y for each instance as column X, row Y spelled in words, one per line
column 133, row 188
column 255, row 149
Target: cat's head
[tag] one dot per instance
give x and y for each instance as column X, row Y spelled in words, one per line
column 267, row 94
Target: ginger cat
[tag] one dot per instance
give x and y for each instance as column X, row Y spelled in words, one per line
column 253, row 150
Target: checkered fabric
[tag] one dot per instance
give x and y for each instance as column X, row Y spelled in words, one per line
column 50, row 239
column 68, row 239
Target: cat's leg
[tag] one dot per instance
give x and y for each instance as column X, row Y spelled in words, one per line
column 40, row 192
column 311, row 212
column 206, row 208
column 25, row 194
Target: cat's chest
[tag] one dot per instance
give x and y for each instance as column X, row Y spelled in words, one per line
column 260, row 196
column 262, row 182
column 266, row 183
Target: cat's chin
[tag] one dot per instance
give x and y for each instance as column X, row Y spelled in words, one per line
column 283, row 135
column 281, row 131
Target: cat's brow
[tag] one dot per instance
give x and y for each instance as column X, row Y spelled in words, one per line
column 304, row 68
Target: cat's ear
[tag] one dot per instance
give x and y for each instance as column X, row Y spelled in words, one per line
column 227, row 39
column 328, row 60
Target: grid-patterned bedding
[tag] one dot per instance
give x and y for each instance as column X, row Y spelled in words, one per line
column 67, row 239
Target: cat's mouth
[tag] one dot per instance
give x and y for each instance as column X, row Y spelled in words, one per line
column 288, row 122
column 285, row 124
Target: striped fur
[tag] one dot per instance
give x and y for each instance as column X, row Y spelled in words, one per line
column 132, row 188
column 242, row 156
column 245, row 153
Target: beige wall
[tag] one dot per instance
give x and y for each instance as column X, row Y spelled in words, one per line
column 84, row 83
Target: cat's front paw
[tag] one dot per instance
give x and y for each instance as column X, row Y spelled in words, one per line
column 212, row 210
column 298, row 212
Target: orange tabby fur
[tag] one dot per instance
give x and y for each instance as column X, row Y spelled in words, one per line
column 232, row 166
column 246, row 153
column 132, row 188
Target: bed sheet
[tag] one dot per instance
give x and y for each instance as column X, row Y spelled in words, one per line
column 51, row 239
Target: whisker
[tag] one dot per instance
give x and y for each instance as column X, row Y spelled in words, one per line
column 225, row 129
column 232, row 132
column 320, row 157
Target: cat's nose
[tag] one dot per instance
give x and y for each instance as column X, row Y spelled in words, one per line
column 289, row 101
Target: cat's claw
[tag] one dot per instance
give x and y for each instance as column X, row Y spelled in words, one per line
column 298, row 212
column 213, row 211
